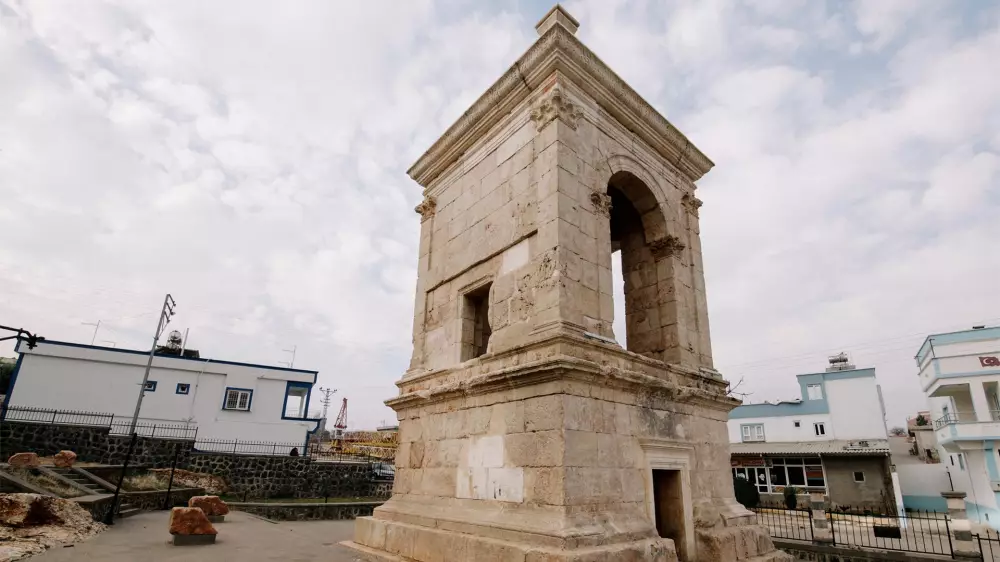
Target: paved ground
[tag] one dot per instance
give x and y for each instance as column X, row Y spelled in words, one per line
column 242, row 537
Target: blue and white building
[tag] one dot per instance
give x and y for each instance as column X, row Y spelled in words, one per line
column 833, row 439
column 225, row 400
column 960, row 374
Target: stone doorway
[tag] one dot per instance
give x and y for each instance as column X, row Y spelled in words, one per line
column 668, row 506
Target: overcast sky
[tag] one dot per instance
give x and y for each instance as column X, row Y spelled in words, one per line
column 249, row 157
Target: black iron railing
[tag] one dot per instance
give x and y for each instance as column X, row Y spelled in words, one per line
column 926, row 532
column 56, row 417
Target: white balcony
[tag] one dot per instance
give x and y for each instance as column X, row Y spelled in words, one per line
column 964, row 430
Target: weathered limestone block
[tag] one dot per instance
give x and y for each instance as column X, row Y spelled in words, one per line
column 211, row 505
column 190, row 521
column 64, row 459
column 23, row 460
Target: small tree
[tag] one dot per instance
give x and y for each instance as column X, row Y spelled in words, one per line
column 746, row 492
column 921, row 420
column 791, row 497
column 898, row 432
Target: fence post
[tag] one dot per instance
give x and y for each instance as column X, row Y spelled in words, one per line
column 170, row 483
column 235, row 442
column 961, row 529
column 821, row 526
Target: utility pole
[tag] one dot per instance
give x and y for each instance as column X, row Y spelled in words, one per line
column 165, row 314
column 291, row 364
column 327, row 393
column 97, row 326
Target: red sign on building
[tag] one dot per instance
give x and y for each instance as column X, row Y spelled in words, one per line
column 989, row 361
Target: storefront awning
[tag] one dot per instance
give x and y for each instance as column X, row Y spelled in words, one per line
column 834, row 447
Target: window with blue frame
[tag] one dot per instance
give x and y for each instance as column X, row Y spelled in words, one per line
column 296, row 405
column 150, row 386
column 183, row 388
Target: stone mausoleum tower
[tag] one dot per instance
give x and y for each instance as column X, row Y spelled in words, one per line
column 526, row 433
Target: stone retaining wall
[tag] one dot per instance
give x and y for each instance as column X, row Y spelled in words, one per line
column 307, row 511
column 290, row 477
column 254, row 476
column 152, row 501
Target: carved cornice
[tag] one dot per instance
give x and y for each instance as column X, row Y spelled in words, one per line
column 558, row 50
column 691, row 203
column 426, row 208
column 564, row 368
column 666, row 247
column 602, row 202
column 555, row 105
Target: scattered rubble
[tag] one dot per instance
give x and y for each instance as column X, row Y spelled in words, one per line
column 23, row 460
column 64, row 459
column 186, row 479
column 31, row 523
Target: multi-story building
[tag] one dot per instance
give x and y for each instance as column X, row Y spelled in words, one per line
column 832, row 440
column 960, row 374
column 225, row 400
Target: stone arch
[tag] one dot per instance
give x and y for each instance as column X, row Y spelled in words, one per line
column 637, row 227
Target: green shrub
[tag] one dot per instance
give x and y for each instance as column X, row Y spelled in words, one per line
column 791, row 497
column 746, row 492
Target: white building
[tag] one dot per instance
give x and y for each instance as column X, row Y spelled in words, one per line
column 224, row 399
column 960, row 374
column 833, row 439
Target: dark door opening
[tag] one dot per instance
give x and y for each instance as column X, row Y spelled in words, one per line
column 668, row 507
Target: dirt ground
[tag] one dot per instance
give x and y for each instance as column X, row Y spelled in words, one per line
column 241, row 537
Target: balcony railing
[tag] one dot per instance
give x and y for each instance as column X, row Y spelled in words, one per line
column 962, row 417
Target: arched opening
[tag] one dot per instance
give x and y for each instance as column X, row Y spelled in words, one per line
column 635, row 221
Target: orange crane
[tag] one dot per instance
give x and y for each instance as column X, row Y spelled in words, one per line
column 339, row 426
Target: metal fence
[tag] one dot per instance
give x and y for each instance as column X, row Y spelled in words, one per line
column 185, row 432
column 255, row 448
column 56, row 417
column 989, row 545
column 116, row 425
column 926, row 532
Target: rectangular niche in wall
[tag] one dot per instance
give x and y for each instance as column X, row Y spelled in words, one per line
column 476, row 322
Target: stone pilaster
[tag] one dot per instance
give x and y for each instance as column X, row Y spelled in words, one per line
column 961, row 528
column 821, row 525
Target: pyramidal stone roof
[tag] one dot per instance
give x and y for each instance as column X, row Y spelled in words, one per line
column 558, row 50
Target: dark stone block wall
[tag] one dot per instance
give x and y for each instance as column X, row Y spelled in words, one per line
column 307, row 511
column 254, row 476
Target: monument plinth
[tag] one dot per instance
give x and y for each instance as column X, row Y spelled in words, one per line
column 526, row 432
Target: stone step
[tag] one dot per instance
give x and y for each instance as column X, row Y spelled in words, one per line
column 774, row 556
column 127, row 510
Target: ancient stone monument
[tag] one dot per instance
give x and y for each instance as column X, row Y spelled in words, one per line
column 526, row 432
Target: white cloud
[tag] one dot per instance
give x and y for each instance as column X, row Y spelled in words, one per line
column 251, row 162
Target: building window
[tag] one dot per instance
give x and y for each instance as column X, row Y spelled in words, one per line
column 859, row 476
column 238, row 399
column 150, row 386
column 753, row 432
column 952, row 459
column 961, row 461
column 183, row 388
column 814, row 391
column 819, row 428
column 476, row 330
column 797, row 423
column 803, row 472
column 296, row 400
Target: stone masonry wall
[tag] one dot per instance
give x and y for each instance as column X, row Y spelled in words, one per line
column 256, row 476
column 89, row 443
column 307, row 511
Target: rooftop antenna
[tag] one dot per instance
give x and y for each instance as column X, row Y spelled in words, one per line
column 97, row 326
column 291, row 364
